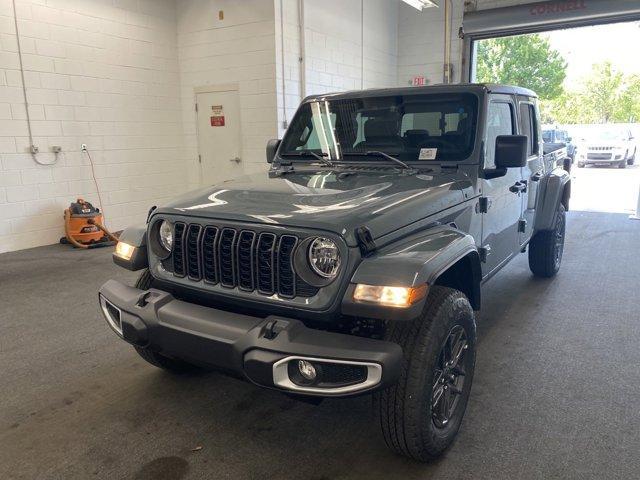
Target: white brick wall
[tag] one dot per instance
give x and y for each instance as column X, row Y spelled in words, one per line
column 238, row 49
column 334, row 46
column 104, row 73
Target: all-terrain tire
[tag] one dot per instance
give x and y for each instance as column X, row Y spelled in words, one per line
column 173, row 365
column 546, row 248
column 405, row 411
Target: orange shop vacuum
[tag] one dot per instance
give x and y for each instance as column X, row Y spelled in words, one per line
column 83, row 226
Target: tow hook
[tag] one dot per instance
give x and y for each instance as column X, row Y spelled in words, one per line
column 272, row 328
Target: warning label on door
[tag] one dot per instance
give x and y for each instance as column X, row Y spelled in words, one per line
column 217, row 116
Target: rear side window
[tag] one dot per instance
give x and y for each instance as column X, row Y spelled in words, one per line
column 499, row 122
column 529, row 124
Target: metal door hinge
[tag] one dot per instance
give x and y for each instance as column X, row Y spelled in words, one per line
column 522, row 226
column 484, row 253
column 483, row 205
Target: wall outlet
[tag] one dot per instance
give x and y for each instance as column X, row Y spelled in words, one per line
column 83, row 147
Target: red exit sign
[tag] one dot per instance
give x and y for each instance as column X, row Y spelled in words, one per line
column 419, row 81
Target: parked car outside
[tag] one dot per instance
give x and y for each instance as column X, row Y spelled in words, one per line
column 555, row 135
column 608, row 146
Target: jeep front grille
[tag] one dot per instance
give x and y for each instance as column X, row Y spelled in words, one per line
column 242, row 259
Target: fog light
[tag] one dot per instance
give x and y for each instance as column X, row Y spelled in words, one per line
column 401, row 297
column 124, row 250
column 307, row 370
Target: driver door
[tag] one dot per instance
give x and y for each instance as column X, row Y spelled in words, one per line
column 500, row 238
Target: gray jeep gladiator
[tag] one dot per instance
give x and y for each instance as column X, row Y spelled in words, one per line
column 354, row 265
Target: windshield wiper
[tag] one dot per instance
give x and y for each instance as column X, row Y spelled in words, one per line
column 378, row 153
column 306, row 153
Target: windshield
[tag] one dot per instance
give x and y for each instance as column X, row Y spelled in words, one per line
column 608, row 135
column 424, row 127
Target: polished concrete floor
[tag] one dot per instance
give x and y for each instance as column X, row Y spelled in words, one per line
column 556, row 392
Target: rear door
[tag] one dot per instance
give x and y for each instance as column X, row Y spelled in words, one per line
column 504, row 208
column 534, row 170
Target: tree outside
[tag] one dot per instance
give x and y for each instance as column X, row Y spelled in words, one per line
column 604, row 95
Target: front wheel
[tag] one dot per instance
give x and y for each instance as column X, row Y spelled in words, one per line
column 420, row 415
column 546, row 248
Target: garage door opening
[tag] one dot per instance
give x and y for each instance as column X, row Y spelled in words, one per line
column 576, row 56
column 589, row 88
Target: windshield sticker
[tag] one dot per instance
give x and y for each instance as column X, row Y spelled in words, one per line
column 428, row 154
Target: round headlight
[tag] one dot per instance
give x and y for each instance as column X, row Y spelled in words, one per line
column 324, row 257
column 166, row 235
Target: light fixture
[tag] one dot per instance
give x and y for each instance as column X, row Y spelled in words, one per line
column 124, row 250
column 420, row 4
column 401, row 297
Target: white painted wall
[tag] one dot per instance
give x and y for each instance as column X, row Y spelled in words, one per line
column 239, row 49
column 421, row 39
column 334, row 45
column 100, row 73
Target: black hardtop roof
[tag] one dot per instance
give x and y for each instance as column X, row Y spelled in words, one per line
column 451, row 88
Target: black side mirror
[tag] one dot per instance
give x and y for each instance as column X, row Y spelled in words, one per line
column 272, row 148
column 511, row 151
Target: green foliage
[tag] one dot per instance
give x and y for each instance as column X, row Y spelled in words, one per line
column 604, row 96
column 524, row 60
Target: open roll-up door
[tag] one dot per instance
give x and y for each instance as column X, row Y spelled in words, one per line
column 541, row 16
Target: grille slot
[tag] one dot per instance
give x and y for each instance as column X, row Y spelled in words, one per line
column 226, row 256
column 178, row 249
column 265, row 261
column 243, row 259
column 193, row 252
column 208, row 255
column 286, row 275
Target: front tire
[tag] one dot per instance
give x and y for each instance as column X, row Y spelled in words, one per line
column 546, row 248
column 173, row 365
column 420, row 415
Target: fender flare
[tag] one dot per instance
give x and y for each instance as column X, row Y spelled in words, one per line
column 554, row 189
column 416, row 260
column 135, row 236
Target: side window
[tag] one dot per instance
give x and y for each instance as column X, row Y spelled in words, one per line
column 499, row 122
column 528, row 121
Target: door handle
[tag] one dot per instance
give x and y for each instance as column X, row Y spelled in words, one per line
column 518, row 187
column 236, row 159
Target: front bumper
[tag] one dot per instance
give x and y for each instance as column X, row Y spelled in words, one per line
column 254, row 347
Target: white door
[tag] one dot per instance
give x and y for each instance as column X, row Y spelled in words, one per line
column 219, row 137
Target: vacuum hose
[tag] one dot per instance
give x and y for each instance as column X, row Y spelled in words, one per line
column 92, row 221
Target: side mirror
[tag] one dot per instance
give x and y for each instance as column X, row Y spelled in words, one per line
column 511, row 151
column 569, row 139
column 272, row 148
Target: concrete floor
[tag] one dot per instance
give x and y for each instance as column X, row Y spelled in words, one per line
column 555, row 394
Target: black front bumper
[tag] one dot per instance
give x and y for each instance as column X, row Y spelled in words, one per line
column 254, row 347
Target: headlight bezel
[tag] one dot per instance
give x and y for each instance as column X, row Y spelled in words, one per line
column 313, row 261
column 155, row 242
column 302, row 263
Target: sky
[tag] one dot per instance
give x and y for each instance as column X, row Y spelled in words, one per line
column 584, row 46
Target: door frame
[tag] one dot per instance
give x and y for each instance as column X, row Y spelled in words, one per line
column 215, row 88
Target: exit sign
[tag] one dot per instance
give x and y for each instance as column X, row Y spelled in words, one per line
column 418, row 81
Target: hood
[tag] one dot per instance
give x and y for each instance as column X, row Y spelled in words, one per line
column 335, row 201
